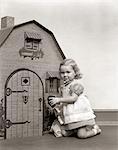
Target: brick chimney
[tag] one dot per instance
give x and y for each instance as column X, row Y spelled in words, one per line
column 7, row 21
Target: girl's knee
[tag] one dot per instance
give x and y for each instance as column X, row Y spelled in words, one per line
column 81, row 133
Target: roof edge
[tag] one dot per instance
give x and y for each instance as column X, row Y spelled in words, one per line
column 35, row 22
column 10, row 29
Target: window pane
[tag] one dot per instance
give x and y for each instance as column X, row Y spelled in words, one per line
column 28, row 45
column 55, row 85
column 35, row 45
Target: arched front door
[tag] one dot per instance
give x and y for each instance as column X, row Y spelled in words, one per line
column 24, row 95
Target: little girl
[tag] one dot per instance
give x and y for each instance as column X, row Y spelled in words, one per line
column 78, row 116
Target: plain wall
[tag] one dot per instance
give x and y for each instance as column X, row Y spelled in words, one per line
column 98, row 63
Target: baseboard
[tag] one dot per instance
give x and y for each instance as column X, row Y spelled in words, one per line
column 107, row 123
column 106, row 117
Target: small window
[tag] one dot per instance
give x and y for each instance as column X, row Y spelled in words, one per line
column 32, row 40
column 28, row 44
column 31, row 44
column 52, row 85
column 35, row 45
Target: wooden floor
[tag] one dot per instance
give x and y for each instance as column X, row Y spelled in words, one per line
column 107, row 140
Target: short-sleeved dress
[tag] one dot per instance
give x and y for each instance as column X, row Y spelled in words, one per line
column 79, row 113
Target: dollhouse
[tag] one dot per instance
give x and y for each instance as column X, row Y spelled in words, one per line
column 29, row 62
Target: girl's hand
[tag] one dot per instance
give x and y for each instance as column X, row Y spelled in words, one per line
column 53, row 101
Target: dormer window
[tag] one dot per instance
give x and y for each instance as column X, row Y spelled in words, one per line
column 32, row 40
column 52, row 82
column 32, row 46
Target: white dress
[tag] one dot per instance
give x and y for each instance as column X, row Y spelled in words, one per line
column 80, row 112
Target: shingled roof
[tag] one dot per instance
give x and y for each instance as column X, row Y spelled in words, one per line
column 4, row 34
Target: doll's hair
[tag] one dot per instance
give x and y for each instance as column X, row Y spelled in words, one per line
column 73, row 64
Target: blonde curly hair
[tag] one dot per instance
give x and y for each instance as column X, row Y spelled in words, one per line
column 74, row 65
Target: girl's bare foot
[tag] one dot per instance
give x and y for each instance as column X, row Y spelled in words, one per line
column 97, row 129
